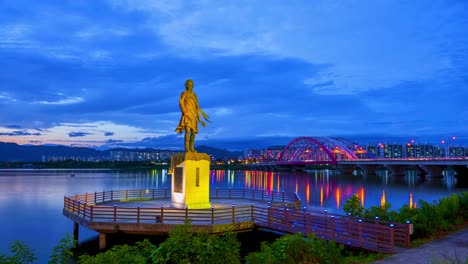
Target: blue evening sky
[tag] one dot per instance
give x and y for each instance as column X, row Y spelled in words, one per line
column 109, row 73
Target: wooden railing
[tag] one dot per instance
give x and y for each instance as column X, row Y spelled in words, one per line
column 283, row 213
column 373, row 235
column 154, row 194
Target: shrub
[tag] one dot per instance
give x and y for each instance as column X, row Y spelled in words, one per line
column 184, row 247
column 297, row 249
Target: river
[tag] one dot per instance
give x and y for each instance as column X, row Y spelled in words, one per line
column 31, row 201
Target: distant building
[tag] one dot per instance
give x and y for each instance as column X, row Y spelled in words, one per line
column 140, row 155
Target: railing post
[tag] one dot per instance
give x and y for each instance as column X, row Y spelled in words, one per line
column 305, row 219
column 333, row 227
column 325, row 220
column 152, row 194
column 115, row 213
column 86, row 198
column 91, row 214
column 408, row 233
column 233, row 213
column 252, row 212
column 138, row 214
column 268, row 214
column 84, row 211
column 360, row 232
column 103, row 196
column 212, row 215
column 162, row 214
column 95, row 197
column 126, row 194
column 186, row 213
column 112, row 195
column 392, row 238
column 78, row 208
column 140, row 194
column 288, row 223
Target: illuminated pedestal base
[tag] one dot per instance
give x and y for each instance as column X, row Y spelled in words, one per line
column 190, row 180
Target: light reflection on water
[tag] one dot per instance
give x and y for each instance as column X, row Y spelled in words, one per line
column 31, row 201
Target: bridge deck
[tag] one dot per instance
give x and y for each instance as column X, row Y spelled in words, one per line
column 118, row 211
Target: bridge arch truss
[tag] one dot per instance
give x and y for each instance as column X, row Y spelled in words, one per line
column 320, row 150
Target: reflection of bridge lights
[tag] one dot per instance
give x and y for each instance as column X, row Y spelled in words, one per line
column 361, row 195
column 382, row 199
column 321, row 196
column 338, row 197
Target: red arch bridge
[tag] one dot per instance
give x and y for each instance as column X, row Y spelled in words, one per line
column 347, row 156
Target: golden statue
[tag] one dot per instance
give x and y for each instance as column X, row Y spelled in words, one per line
column 191, row 111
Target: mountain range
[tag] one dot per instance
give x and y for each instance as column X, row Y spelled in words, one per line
column 30, row 153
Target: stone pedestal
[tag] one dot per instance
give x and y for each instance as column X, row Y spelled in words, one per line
column 190, row 180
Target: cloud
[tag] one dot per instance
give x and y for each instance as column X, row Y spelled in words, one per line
column 108, row 134
column 19, row 133
column 78, row 134
column 373, row 45
column 113, row 141
column 65, row 101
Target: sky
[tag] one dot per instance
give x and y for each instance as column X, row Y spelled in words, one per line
column 110, row 73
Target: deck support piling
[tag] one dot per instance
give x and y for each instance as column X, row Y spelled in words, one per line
column 102, row 241
column 76, row 231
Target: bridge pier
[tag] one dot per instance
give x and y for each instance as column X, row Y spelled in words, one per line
column 433, row 171
column 368, row 169
column 102, row 241
column 396, row 170
column 461, row 170
column 76, row 231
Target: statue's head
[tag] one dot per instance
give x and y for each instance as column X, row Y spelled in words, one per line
column 189, row 84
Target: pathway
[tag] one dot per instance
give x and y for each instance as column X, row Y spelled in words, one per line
column 450, row 249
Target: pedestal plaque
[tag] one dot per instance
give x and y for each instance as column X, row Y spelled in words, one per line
column 190, row 180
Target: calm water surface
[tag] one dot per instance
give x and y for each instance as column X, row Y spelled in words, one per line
column 31, row 201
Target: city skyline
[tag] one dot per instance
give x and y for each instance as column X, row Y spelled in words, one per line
column 109, row 73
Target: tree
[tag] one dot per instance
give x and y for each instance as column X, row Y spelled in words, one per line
column 21, row 254
column 353, row 206
column 62, row 253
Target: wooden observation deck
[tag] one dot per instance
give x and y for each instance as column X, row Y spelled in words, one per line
column 148, row 212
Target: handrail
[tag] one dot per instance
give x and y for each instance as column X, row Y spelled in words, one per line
column 283, row 213
column 153, row 194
